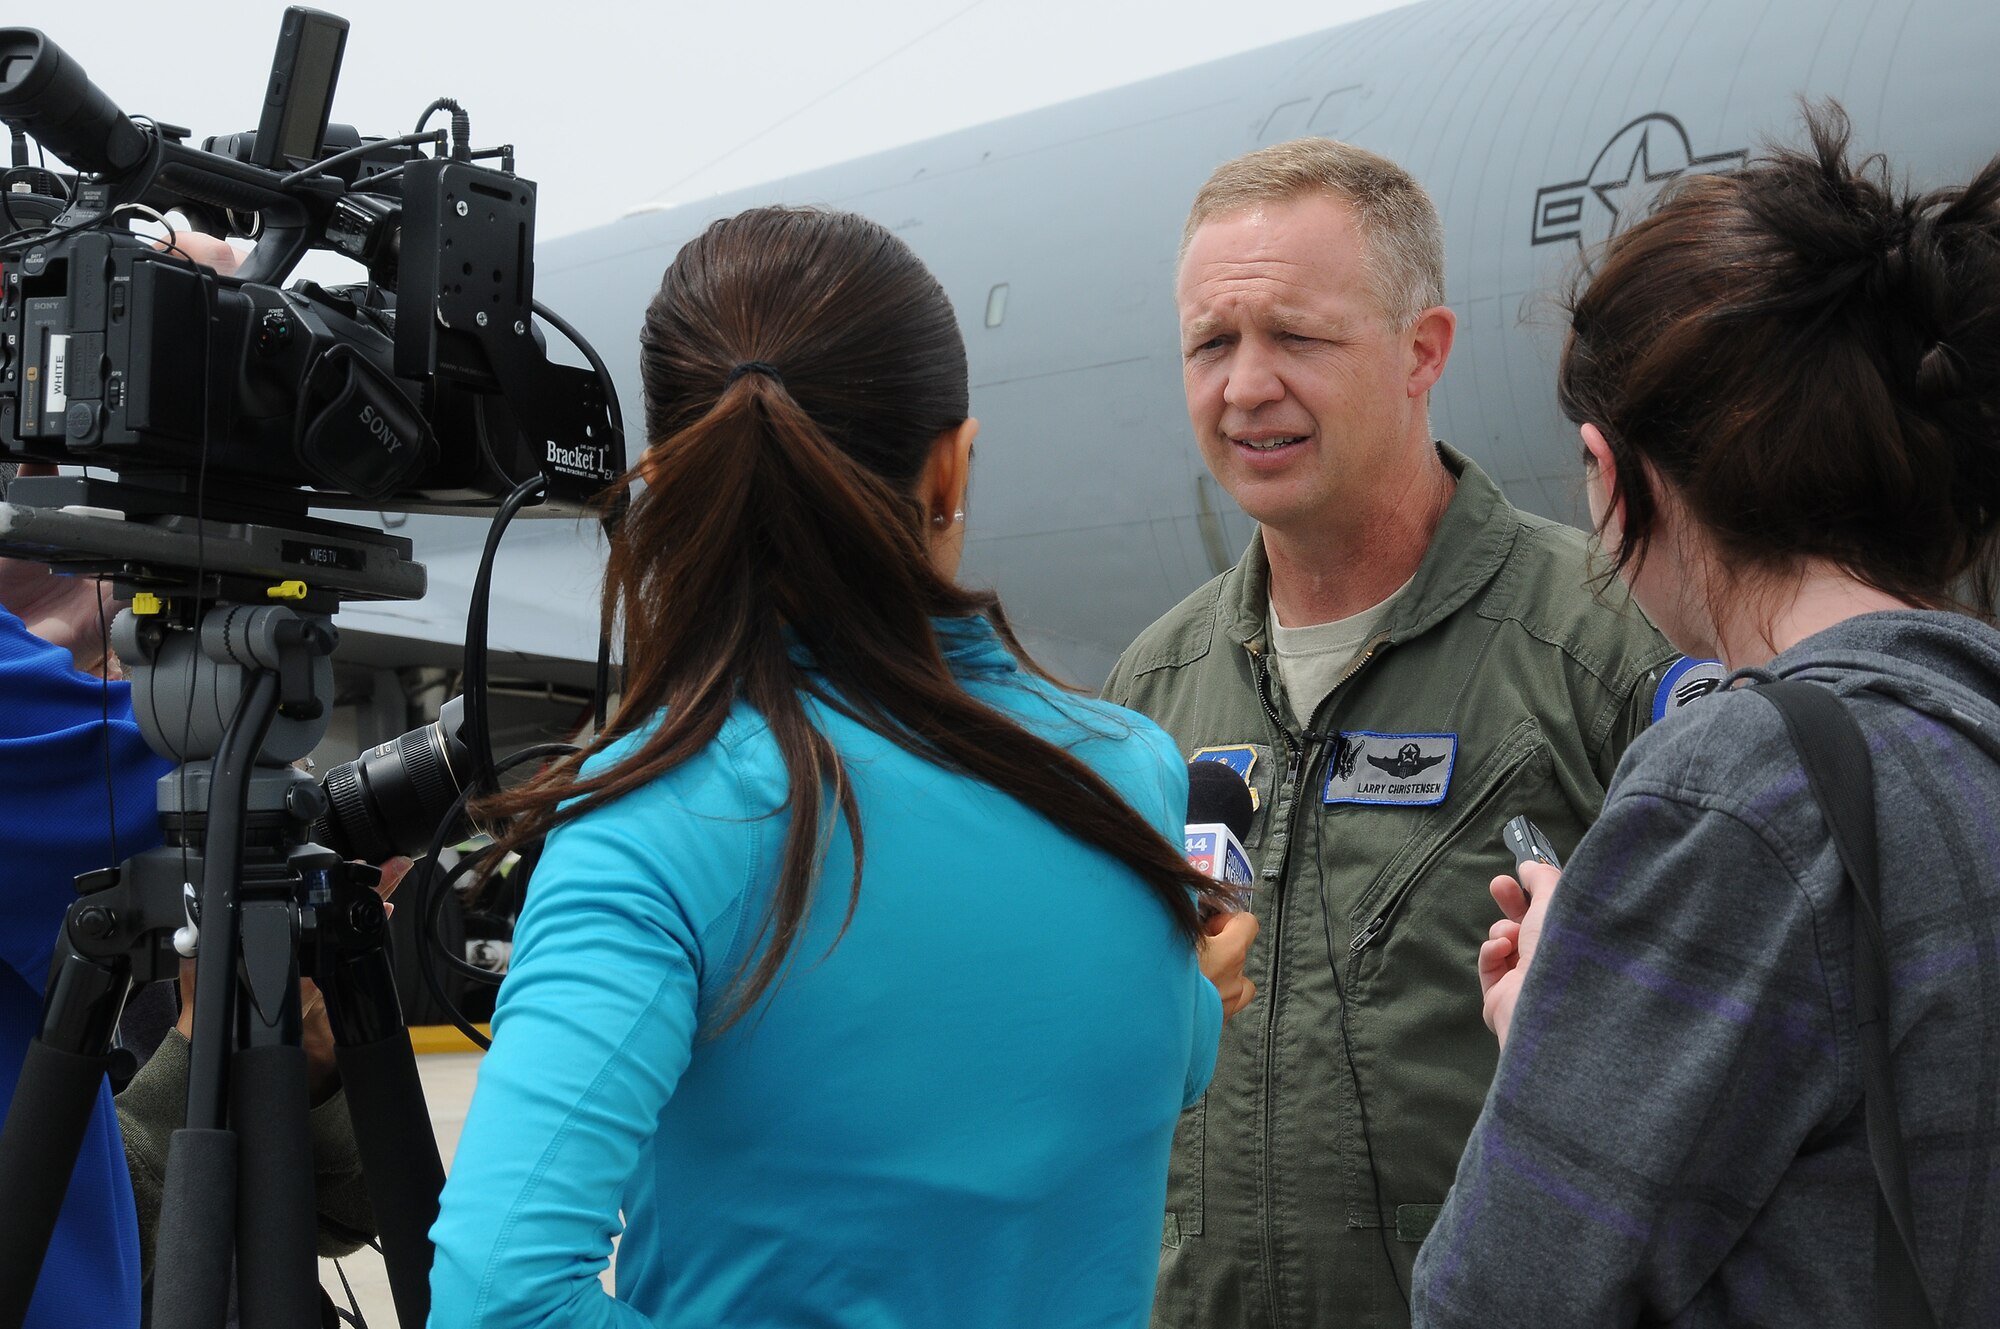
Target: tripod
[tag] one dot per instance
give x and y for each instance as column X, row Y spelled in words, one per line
column 234, row 691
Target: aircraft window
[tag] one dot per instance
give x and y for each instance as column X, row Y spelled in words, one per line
column 996, row 305
column 1334, row 109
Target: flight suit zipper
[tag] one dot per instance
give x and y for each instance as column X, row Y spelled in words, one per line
column 1479, row 801
column 1298, row 758
column 1303, row 758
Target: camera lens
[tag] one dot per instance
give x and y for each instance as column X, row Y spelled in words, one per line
column 389, row 800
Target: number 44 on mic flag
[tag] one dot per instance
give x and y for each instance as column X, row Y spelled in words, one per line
column 1219, row 814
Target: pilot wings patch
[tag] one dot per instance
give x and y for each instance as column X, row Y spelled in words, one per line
column 1396, row 770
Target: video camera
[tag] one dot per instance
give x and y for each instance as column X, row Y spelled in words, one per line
column 425, row 389
column 227, row 406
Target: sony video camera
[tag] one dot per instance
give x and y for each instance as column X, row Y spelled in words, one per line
column 425, row 389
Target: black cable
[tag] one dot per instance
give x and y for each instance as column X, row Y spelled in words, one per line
column 461, row 126
column 475, row 633
column 366, row 184
column 36, row 176
column 433, row 885
column 352, row 1314
column 610, row 525
column 577, row 339
column 342, row 158
column 468, row 862
column 104, row 700
column 44, row 234
column 1382, row 1220
column 200, row 554
column 7, row 188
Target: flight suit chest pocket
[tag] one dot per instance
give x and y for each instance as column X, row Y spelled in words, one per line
column 1255, row 764
column 1460, row 837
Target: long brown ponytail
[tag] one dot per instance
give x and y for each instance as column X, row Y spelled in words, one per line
column 779, row 510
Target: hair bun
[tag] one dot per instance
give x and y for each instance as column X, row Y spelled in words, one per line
column 1808, row 351
column 1939, row 372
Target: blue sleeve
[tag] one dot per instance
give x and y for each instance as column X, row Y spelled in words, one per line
column 631, row 908
column 76, row 790
column 76, row 794
column 1167, row 810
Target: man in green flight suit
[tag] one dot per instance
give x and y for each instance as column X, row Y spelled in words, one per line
column 1400, row 663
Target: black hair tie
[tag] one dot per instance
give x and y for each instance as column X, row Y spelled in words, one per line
column 764, row 367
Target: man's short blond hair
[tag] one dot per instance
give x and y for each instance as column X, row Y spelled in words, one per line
column 1397, row 220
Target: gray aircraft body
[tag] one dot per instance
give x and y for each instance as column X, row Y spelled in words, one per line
column 1540, row 126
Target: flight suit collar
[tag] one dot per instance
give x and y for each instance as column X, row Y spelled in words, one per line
column 1467, row 549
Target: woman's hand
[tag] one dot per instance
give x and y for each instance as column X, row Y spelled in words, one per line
column 1223, row 951
column 1509, row 947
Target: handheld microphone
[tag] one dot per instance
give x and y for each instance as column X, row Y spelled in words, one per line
column 1219, row 811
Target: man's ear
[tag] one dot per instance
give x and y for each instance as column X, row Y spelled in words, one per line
column 1431, row 338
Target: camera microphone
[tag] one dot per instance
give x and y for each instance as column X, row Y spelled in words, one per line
column 1218, row 817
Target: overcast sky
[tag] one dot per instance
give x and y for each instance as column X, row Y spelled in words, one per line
column 612, row 106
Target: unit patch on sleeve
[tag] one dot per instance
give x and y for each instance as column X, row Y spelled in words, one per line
column 1400, row 770
column 1688, row 680
column 1239, row 757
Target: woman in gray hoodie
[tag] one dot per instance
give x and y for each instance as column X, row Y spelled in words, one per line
column 1788, row 386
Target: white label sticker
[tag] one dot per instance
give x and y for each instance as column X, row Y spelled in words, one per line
column 58, row 377
column 1401, row 770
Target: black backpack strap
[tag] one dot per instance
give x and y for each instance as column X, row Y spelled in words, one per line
column 1838, row 769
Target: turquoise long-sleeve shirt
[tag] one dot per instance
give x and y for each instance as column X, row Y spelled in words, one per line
column 959, row 1115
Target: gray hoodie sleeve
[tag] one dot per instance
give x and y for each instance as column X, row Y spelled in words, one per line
column 154, row 1105
column 1674, row 1047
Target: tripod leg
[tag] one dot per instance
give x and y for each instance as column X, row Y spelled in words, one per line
column 399, row 1161
column 45, row 1127
column 385, row 1097
column 198, row 1206
column 191, row 1261
column 50, row 1113
column 277, row 1271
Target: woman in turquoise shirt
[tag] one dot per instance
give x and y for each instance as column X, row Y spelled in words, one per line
column 860, row 974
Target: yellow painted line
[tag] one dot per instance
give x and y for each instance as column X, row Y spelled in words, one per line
column 444, row 1038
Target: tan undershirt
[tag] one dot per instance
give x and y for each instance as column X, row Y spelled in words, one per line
column 1311, row 659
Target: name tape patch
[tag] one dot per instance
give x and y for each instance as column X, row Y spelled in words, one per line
column 1238, row 757
column 1689, row 680
column 1397, row 770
